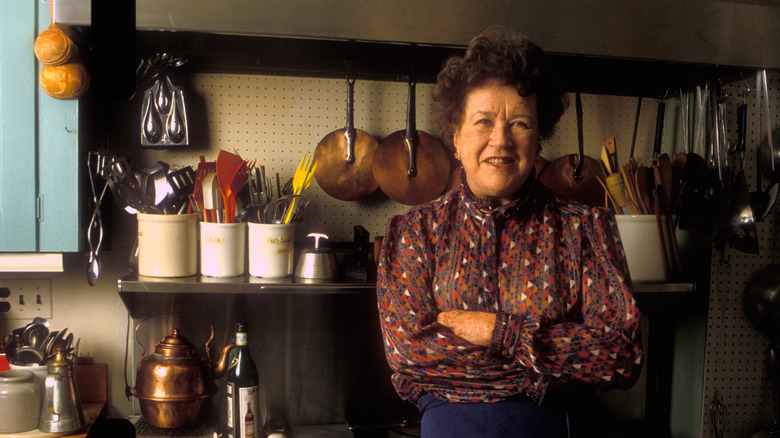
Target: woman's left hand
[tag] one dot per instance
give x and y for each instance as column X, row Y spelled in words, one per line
column 472, row 326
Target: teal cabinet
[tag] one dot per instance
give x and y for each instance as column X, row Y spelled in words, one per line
column 40, row 165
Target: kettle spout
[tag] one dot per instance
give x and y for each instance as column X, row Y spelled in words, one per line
column 222, row 365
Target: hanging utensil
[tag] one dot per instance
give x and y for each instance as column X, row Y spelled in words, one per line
column 176, row 125
column 661, row 191
column 151, row 120
column 411, row 166
column 95, row 226
column 346, row 156
column 770, row 155
column 741, row 225
column 760, row 201
column 700, row 187
column 164, row 114
column 636, row 124
column 718, row 415
column 767, row 154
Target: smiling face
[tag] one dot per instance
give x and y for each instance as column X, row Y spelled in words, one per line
column 497, row 140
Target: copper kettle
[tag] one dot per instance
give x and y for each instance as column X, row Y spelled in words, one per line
column 173, row 383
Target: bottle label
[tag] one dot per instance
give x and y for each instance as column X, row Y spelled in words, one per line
column 230, row 420
column 241, row 338
column 249, row 412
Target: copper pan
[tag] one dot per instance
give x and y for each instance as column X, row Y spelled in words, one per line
column 345, row 157
column 576, row 176
column 411, row 167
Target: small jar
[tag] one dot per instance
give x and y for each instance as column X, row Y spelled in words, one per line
column 20, row 401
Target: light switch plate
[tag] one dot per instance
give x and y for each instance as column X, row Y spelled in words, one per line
column 26, row 299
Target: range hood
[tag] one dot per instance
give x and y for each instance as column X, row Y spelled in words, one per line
column 726, row 33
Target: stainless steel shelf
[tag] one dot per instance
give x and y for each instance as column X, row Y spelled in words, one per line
column 644, row 288
column 246, row 284
column 143, row 294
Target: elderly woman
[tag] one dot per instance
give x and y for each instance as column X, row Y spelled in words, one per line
column 500, row 291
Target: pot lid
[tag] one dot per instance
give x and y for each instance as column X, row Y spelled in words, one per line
column 175, row 345
column 58, row 360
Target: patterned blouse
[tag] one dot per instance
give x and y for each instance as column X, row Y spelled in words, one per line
column 554, row 272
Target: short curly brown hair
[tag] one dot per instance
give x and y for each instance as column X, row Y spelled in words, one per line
column 509, row 57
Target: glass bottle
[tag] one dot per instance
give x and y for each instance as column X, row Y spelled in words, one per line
column 242, row 388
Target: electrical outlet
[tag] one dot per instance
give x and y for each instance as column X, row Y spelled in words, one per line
column 25, row 299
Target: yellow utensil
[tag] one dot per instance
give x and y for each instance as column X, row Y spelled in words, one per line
column 301, row 180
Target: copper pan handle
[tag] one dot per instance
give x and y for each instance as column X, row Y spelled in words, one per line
column 411, row 139
column 350, row 134
column 577, row 176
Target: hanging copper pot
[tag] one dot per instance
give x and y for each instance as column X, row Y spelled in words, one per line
column 344, row 159
column 411, row 166
column 575, row 176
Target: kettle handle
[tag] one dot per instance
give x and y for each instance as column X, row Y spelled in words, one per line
column 143, row 347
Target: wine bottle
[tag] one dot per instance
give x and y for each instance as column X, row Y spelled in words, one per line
column 242, row 388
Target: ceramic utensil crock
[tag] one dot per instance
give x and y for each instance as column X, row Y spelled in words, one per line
column 20, row 401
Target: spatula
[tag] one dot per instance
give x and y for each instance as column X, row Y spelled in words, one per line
column 204, row 168
column 228, row 164
column 236, row 184
column 210, row 204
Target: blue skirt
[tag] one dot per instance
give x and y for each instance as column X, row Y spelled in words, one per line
column 518, row 417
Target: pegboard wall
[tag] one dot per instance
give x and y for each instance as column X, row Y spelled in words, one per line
column 736, row 353
column 276, row 120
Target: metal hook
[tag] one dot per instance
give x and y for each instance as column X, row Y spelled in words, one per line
column 747, row 88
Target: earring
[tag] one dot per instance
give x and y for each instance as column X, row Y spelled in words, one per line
column 457, row 157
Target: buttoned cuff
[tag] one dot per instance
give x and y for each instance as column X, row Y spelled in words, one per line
column 506, row 336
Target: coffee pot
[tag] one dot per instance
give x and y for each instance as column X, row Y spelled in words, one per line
column 173, row 383
column 61, row 410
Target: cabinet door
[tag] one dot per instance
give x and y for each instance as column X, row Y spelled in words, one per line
column 39, row 143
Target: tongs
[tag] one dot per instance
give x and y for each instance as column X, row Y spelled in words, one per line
column 95, row 165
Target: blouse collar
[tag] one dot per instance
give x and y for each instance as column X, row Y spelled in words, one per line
column 484, row 206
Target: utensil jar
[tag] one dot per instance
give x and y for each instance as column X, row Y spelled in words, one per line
column 222, row 249
column 20, row 401
column 167, row 245
column 271, row 250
